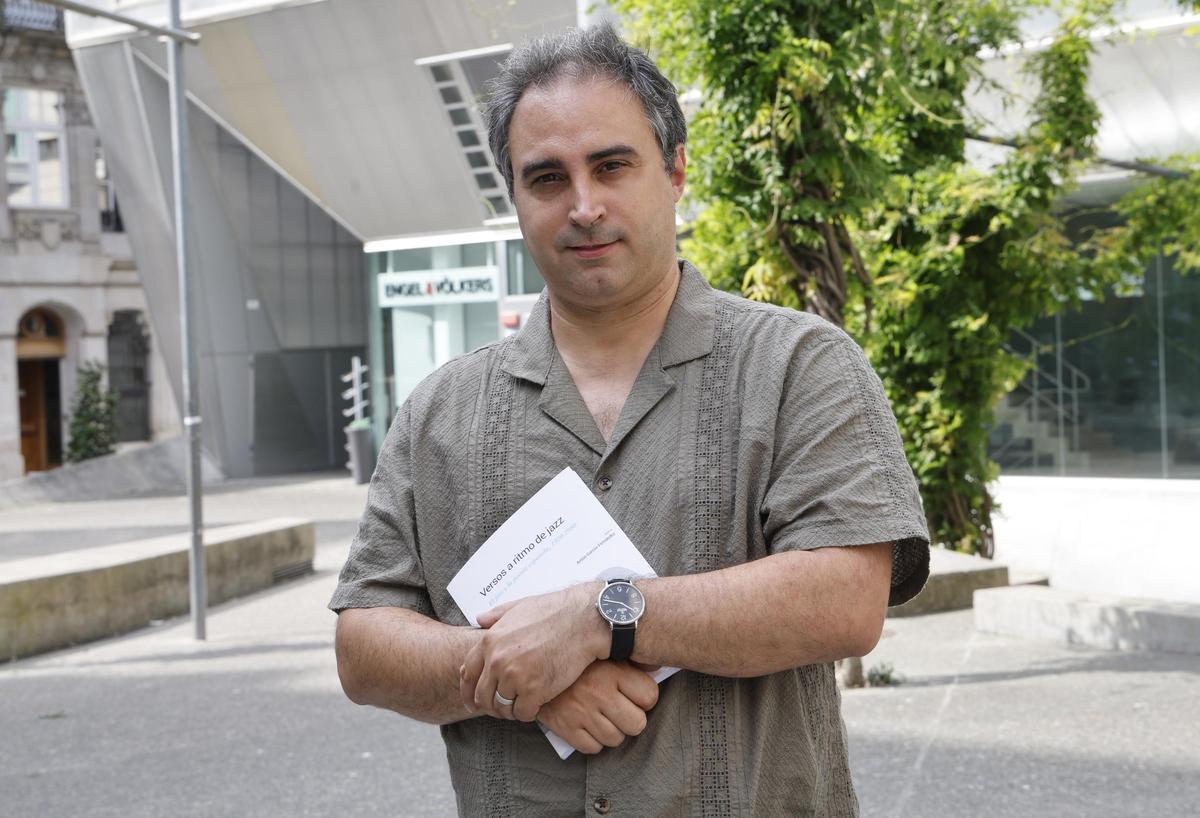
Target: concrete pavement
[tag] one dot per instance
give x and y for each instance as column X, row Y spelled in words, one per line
column 328, row 499
column 253, row 723
column 988, row 725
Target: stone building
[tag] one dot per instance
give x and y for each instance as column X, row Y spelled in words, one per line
column 70, row 292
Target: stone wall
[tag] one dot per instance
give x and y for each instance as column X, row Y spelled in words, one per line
column 58, row 258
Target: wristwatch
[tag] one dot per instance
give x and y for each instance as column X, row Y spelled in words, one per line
column 622, row 605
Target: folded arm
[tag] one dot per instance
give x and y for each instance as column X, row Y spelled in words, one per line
column 782, row 611
column 400, row 660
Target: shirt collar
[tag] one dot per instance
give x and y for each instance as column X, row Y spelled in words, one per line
column 692, row 321
column 687, row 334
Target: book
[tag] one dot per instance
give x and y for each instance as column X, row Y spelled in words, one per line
column 560, row 537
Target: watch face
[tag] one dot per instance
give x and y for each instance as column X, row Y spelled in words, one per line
column 621, row 603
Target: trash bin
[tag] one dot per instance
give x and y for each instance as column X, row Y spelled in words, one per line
column 362, row 453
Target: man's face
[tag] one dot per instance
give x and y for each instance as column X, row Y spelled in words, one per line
column 595, row 204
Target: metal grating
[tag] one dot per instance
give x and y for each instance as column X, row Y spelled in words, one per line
column 459, row 84
column 29, row 14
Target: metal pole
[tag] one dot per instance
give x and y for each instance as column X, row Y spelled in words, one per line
column 1162, row 369
column 175, row 38
column 83, row 8
column 1037, row 407
column 1062, row 403
column 1075, row 406
column 191, row 416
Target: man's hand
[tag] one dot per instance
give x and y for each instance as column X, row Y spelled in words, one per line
column 533, row 650
column 605, row 705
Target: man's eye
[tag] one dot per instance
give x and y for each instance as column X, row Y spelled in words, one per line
column 609, row 167
column 547, row 178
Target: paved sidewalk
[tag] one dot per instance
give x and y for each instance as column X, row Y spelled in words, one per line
column 995, row 726
column 253, row 723
column 329, row 499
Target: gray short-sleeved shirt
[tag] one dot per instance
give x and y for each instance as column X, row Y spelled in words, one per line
column 750, row 430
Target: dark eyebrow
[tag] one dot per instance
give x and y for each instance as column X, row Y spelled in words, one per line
column 531, row 168
column 608, row 153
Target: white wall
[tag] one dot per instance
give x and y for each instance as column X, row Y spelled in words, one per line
column 1126, row 537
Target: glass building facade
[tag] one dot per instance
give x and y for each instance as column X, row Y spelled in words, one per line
column 1112, row 388
column 412, row 339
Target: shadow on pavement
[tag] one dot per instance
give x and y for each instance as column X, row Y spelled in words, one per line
column 1090, row 661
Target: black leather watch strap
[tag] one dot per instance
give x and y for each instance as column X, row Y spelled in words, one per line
column 622, row 643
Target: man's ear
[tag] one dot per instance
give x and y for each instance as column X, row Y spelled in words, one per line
column 679, row 171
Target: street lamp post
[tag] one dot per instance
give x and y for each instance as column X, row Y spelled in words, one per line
column 175, row 37
column 191, row 412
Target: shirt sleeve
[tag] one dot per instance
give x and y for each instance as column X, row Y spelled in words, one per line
column 384, row 567
column 839, row 476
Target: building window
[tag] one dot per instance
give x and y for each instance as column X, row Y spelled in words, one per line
column 1112, row 386
column 40, row 335
column 405, row 261
column 110, row 212
column 523, row 275
column 128, row 374
column 30, row 14
column 420, row 259
column 35, row 144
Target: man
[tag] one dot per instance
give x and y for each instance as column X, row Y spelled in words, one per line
column 747, row 450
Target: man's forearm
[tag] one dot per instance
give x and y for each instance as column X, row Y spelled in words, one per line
column 782, row 611
column 778, row 612
column 400, row 660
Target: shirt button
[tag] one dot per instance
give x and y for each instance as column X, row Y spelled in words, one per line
column 602, row 805
column 604, row 483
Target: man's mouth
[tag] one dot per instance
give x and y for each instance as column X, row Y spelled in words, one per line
column 592, row 250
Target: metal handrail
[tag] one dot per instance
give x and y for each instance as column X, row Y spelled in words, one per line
column 1067, row 384
column 1034, row 345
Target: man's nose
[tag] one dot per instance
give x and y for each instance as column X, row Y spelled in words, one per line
column 587, row 208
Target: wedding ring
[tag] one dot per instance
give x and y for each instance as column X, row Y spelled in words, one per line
column 502, row 700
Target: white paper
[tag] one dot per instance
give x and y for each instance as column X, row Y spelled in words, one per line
column 561, row 536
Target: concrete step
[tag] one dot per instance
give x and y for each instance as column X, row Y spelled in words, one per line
column 1095, row 440
column 1019, row 576
column 1095, row 620
column 71, row 597
column 953, row 579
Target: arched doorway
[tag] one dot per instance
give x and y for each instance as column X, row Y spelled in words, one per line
column 41, row 346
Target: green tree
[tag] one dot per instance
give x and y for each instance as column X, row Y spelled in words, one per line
column 93, row 425
column 810, row 108
column 829, row 156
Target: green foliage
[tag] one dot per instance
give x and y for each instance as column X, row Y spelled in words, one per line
column 93, row 426
column 809, row 109
column 1158, row 216
column 960, row 258
column 883, row 675
column 829, row 151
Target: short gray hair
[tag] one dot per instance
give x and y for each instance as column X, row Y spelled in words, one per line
column 582, row 52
